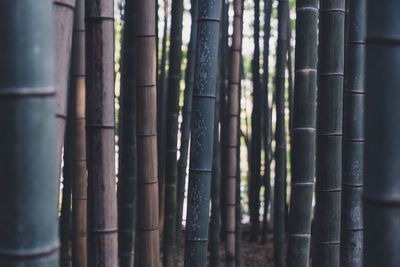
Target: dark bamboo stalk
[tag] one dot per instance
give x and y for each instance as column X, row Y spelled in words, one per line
column 202, row 131
column 255, row 151
column 127, row 175
column 28, row 224
column 79, row 175
column 353, row 137
column 185, row 126
column 266, row 117
column 280, row 137
column 63, row 14
column 329, row 133
column 174, row 79
column 233, row 113
column 147, row 245
column 381, row 191
column 303, row 134
column 102, row 201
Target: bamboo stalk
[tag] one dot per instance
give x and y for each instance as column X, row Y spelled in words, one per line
column 329, row 133
column 127, row 175
column 185, row 126
column 233, row 113
column 79, row 170
column 280, row 137
column 28, row 224
column 174, row 79
column 147, row 245
column 304, row 134
column 202, row 131
column 381, row 190
column 102, row 202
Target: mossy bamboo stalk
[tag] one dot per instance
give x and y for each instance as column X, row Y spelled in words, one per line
column 79, row 170
column 353, row 137
column 202, row 131
column 147, row 233
column 174, row 79
column 303, row 134
column 266, row 117
column 381, row 190
column 238, row 205
column 102, row 201
column 185, row 126
column 63, row 14
column 255, row 151
column 28, row 224
column 233, row 113
column 329, row 133
column 127, row 175
column 280, row 137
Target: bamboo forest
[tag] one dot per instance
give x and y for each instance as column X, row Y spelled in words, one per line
column 194, row 133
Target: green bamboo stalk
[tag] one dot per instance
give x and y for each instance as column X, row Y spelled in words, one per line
column 185, row 126
column 280, row 137
column 202, row 131
column 353, row 137
column 233, row 112
column 147, row 223
column 77, row 111
column 255, row 151
column 28, row 225
column 102, row 201
column 174, row 79
column 127, row 175
column 329, row 133
column 63, row 14
column 266, row 117
column 303, row 134
column 381, row 191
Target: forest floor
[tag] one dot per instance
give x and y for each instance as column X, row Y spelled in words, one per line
column 254, row 254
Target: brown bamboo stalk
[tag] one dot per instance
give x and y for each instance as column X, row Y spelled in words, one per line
column 63, row 13
column 102, row 200
column 78, row 139
column 147, row 249
column 233, row 120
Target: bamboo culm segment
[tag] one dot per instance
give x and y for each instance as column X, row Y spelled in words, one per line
column 382, row 150
column 329, row 133
column 127, row 174
column 63, row 14
column 174, row 79
column 202, row 131
column 147, row 233
column 185, row 126
column 29, row 225
column 77, row 111
column 304, row 134
column 353, row 137
column 267, row 136
column 233, row 112
column 102, row 201
column 238, row 199
column 280, row 137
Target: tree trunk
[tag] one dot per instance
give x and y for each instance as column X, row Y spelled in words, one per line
column 303, row 134
column 147, row 245
column 280, row 137
column 382, row 131
column 63, row 14
column 127, row 176
column 185, row 126
column 233, row 126
column 255, row 162
column 202, row 131
column 28, row 226
column 102, row 201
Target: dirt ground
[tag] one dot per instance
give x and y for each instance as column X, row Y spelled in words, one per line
column 254, row 254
